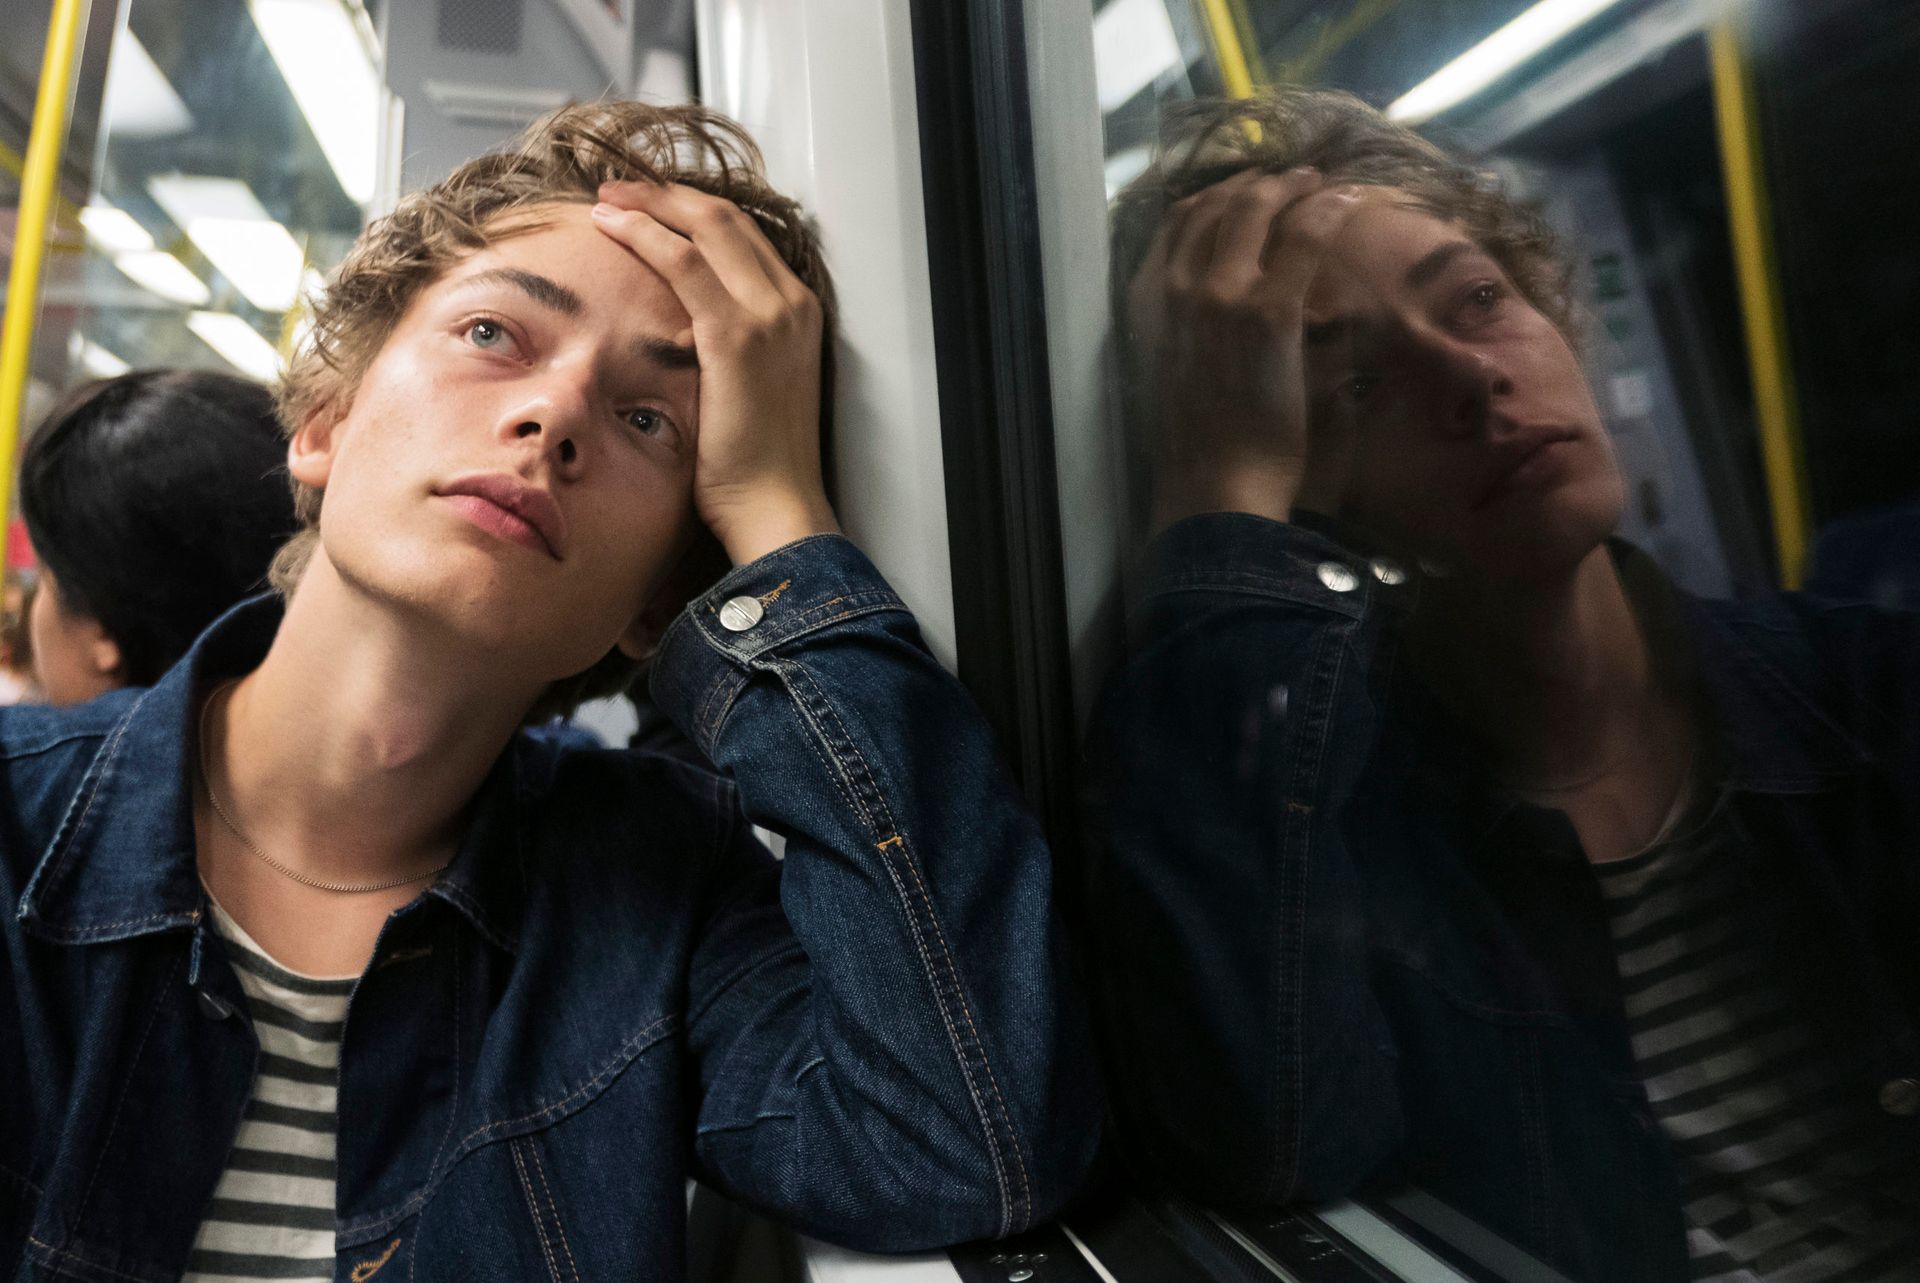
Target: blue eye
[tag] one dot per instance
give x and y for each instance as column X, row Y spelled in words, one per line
column 486, row 333
column 647, row 422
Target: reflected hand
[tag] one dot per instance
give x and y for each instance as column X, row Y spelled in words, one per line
column 1219, row 310
column 757, row 329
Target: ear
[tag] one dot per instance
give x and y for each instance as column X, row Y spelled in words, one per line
column 643, row 635
column 311, row 448
column 680, row 585
column 103, row 653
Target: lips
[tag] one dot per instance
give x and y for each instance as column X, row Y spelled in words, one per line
column 505, row 505
column 1521, row 460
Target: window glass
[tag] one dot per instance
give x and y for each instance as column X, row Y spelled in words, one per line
column 1492, row 789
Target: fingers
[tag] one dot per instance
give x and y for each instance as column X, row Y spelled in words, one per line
column 1300, row 241
column 689, row 272
column 1253, row 219
column 735, row 247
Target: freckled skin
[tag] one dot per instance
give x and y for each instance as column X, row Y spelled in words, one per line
column 453, row 391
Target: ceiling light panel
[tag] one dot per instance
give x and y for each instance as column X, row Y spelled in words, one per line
column 230, row 226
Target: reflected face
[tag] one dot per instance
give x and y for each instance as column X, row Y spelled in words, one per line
column 1476, row 440
column 73, row 658
column 517, row 463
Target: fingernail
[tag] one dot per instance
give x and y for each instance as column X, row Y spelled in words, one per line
column 604, row 210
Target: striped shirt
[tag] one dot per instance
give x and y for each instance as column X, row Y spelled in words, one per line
column 272, row 1213
column 1787, row 1165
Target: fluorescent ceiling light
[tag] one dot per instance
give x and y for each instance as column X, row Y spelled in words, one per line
column 1529, row 34
column 114, row 231
column 224, row 218
column 1133, row 43
column 140, row 101
column 327, row 67
column 161, row 273
column 238, row 343
column 94, row 359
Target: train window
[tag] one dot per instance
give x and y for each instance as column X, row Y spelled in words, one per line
column 1487, row 508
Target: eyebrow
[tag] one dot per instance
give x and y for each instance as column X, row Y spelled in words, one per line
column 1435, row 262
column 552, row 294
column 543, row 290
column 668, row 354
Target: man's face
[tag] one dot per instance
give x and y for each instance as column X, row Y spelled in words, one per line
column 1475, row 438
column 517, row 463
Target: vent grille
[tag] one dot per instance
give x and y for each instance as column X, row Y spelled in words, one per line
column 480, row 26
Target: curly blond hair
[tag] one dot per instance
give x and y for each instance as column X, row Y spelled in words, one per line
column 1292, row 127
column 562, row 157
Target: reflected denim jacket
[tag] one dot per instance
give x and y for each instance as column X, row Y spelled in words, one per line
column 612, row 988
column 1329, row 958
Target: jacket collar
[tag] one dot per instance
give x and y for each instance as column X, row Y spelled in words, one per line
column 1749, row 664
column 122, row 863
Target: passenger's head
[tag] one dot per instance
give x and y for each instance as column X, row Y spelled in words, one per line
column 1437, row 327
column 155, row 501
column 486, row 328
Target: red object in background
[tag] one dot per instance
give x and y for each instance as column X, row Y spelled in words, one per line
column 19, row 547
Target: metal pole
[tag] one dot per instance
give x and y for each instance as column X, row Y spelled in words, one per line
column 1761, row 305
column 39, row 188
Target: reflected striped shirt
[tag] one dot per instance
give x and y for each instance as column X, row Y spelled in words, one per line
column 272, row 1213
column 1788, row 1168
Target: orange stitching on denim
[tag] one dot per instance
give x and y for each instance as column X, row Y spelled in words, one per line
column 986, row 1061
column 367, row 1269
column 934, row 970
column 767, row 599
column 895, row 840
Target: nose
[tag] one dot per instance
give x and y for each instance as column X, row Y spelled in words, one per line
column 552, row 418
column 1471, row 382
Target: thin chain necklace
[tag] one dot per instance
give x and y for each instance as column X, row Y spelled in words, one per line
column 344, row 888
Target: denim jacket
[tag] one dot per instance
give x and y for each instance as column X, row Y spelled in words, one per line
column 1331, row 958
column 611, row 989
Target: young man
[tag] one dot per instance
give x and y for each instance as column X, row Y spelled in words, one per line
column 1445, row 844
column 318, row 970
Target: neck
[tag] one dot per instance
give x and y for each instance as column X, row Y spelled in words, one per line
column 1554, row 675
column 351, row 753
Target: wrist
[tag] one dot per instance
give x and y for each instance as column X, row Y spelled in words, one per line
column 1262, row 489
column 755, row 527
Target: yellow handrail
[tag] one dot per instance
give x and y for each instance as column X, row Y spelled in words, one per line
column 39, row 187
column 1240, row 69
column 1761, row 304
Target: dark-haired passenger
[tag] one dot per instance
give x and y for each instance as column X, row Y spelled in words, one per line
column 1444, row 842
column 156, row 501
column 316, row 968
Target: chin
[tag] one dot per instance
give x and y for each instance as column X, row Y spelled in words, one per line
column 1549, row 540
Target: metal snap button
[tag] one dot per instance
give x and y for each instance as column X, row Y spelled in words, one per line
column 1390, row 573
column 1337, row 577
column 1019, row 1276
column 1901, row 1097
column 214, row 1008
column 741, row 613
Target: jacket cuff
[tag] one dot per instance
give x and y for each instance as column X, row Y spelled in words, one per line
column 793, row 592
column 1300, row 561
